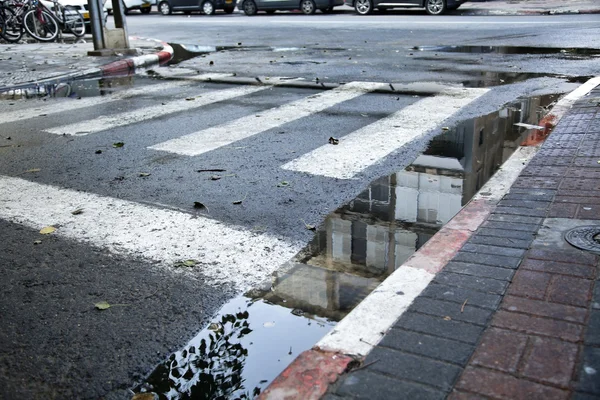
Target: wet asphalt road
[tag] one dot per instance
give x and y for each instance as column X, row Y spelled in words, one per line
column 55, row 344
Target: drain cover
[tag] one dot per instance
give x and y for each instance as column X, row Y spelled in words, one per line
column 585, row 238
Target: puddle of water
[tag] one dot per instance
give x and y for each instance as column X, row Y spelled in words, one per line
column 255, row 337
column 510, row 50
column 76, row 89
column 249, row 343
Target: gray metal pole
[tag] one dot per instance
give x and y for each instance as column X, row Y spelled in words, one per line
column 97, row 23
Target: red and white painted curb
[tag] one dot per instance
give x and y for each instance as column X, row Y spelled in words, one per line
column 129, row 65
column 310, row 374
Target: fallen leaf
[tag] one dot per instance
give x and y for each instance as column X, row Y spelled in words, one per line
column 199, row 205
column 47, row 230
column 32, row 170
column 237, row 202
column 37, row 242
column 77, row 212
column 98, row 151
column 215, row 177
column 445, row 128
column 308, row 226
column 447, row 318
column 215, row 327
column 103, row 305
column 283, row 184
column 211, row 170
column 333, row 140
column 118, row 144
column 186, row 263
column 144, row 174
column 190, row 98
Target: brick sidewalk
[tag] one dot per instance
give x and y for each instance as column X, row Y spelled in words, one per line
column 516, row 313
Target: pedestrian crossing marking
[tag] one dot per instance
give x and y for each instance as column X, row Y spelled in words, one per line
column 365, row 147
column 55, row 107
column 225, row 254
column 212, row 138
column 131, row 117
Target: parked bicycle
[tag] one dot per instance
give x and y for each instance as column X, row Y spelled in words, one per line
column 43, row 23
column 12, row 13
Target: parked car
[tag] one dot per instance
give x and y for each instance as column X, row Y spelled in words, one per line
column 208, row 7
column 145, row 6
column 251, row 7
column 433, row 7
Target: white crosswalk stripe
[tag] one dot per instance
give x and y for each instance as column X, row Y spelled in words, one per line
column 381, row 138
column 56, row 107
column 131, row 117
column 209, row 139
column 225, row 254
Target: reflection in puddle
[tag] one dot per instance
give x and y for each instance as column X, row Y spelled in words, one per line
column 251, row 341
column 76, row 89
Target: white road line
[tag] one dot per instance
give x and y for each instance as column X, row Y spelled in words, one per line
column 225, row 254
column 377, row 140
column 209, row 139
column 62, row 105
column 131, row 117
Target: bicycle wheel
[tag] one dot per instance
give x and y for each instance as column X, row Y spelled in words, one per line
column 40, row 25
column 11, row 29
column 74, row 22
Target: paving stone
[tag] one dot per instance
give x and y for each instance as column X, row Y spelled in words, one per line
column 544, row 309
column 542, row 183
column 556, row 267
column 589, row 375
column 516, row 219
column 500, row 349
column 500, row 385
column 575, row 256
column 570, row 290
column 498, row 241
column 430, row 346
column 588, row 212
column 509, row 226
column 531, row 196
column 438, row 326
column 585, row 162
column 373, row 386
column 487, row 285
column 582, row 200
column 459, row 395
column 487, row 259
column 562, row 210
column 459, row 295
column 596, row 297
column 535, row 170
column 592, row 335
column 538, row 325
column 531, row 191
column 485, row 271
column 413, row 368
column 506, row 233
column 493, row 250
column 550, row 361
column 584, row 396
column 580, row 184
column 530, row 284
column 330, row 396
column 528, row 204
column 530, row 212
column 457, row 312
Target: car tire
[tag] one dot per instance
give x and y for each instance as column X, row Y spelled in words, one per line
column 208, row 8
column 308, row 7
column 364, row 7
column 229, row 10
column 146, row 10
column 249, row 7
column 435, row 7
column 165, row 8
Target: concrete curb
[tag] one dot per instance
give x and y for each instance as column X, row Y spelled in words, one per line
column 500, row 12
column 360, row 331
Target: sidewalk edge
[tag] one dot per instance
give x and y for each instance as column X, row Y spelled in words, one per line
column 397, row 292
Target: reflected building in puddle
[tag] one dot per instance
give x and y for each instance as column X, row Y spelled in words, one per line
column 364, row 241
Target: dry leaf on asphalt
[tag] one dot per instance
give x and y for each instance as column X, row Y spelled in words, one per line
column 77, row 212
column 144, row 174
column 32, row 170
column 118, row 144
column 47, row 230
column 185, row 263
column 333, row 140
column 103, row 305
